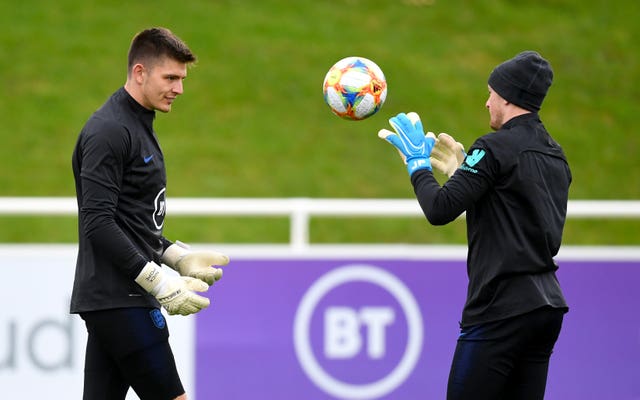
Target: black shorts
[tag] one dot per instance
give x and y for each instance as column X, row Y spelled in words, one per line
column 129, row 347
column 506, row 359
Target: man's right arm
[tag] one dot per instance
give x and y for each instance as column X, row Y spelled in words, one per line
column 98, row 213
column 103, row 157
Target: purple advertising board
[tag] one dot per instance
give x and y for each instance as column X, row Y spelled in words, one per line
column 386, row 329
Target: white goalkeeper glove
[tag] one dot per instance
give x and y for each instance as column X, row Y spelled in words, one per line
column 175, row 293
column 196, row 264
column 447, row 155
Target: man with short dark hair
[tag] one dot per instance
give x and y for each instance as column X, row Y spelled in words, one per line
column 119, row 283
column 513, row 185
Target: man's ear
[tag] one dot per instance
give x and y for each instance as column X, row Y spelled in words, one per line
column 137, row 73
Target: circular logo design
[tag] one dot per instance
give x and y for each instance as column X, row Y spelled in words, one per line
column 302, row 335
column 160, row 209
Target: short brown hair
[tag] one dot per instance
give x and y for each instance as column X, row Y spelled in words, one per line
column 154, row 43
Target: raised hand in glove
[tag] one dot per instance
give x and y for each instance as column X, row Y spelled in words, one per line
column 175, row 293
column 447, row 154
column 409, row 139
column 196, row 264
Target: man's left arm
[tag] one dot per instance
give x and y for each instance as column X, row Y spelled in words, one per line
column 469, row 182
column 440, row 205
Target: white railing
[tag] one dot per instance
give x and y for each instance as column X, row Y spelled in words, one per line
column 300, row 210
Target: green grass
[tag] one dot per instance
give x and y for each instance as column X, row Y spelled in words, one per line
column 322, row 230
column 252, row 122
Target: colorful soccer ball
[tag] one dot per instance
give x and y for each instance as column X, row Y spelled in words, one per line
column 355, row 88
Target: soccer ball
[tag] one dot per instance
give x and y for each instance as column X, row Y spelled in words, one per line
column 355, row 88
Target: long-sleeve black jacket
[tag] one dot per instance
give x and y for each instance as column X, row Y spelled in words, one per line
column 514, row 187
column 120, row 181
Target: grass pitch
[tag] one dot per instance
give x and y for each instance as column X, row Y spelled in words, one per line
column 252, row 122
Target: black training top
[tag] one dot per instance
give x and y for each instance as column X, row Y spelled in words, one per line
column 120, row 180
column 514, row 186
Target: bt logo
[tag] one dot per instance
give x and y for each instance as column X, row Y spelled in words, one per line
column 362, row 322
column 342, row 337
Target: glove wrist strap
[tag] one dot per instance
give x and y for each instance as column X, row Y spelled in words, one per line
column 151, row 278
column 416, row 163
column 174, row 253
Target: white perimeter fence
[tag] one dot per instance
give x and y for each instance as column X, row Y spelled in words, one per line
column 300, row 210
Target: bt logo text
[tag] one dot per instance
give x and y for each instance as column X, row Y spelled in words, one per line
column 342, row 331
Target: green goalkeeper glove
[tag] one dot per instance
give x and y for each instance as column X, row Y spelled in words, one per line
column 447, row 155
column 175, row 293
column 196, row 264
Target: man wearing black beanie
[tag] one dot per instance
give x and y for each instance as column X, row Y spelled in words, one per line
column 523, row 80
column 513, row 185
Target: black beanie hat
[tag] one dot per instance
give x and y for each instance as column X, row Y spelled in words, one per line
column 523, row 80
